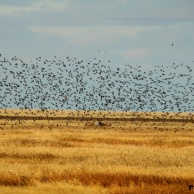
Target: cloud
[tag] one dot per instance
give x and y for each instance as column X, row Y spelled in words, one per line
column 136, row 53
column 36, row 6
column 91, row 34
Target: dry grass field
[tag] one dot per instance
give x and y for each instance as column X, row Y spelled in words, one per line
column 63, row 156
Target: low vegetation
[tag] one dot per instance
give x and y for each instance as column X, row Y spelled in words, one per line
column 129, row 157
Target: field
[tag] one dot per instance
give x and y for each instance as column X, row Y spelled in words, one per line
column 62, row 152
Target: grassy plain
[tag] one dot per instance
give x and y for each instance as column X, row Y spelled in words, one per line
column 65, row 156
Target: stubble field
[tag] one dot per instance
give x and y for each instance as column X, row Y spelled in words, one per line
column 153, row 154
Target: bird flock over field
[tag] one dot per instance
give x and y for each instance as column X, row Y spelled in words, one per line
column 93, row 84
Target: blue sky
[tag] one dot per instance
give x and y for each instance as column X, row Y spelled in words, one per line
column 136, row 32
column 124, row 49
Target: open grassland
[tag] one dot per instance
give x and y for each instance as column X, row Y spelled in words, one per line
column 99, row 114
column 49, row 119
column 65, row 156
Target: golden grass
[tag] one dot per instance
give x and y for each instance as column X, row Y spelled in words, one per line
column 99, row 114
column 79, row 159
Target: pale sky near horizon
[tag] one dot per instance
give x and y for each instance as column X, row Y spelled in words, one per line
column 135, row 32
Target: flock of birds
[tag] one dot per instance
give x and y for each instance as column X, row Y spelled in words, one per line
column 94, row 84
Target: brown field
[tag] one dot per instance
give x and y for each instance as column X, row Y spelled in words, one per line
column 39, row 155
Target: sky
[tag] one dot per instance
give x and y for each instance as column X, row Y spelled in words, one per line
column 135, row 32
column 103, row 54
